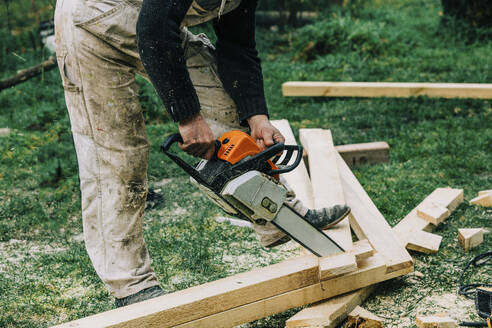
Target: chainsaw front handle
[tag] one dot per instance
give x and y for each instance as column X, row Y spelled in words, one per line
column 284, row 168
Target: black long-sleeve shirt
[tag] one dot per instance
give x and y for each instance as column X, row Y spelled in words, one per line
column 159, row 45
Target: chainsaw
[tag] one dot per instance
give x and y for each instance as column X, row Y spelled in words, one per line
column 243, row 180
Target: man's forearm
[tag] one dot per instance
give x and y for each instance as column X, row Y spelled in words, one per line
column 238, row 61
column 159, row 45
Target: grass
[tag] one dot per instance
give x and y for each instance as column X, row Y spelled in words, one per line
column 46, row 274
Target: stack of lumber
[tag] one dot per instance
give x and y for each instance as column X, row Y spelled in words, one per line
column 376, row 256
column 411, row 232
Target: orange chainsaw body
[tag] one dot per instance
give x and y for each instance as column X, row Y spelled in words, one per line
column 236, row 145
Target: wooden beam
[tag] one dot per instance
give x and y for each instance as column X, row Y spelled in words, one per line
column 298, row 179
column 482, row 200
column 242, row 298
column 435, row 322
column 434, row 214
column 368, row 222
column 364, row 153
column 325, row 180
column 410, row 228
column 418, row 240
column 470, row 238
column 329, row 313
column 422, row 241
column 385, row 89
column 337, row 265
column 210, row 298
column 362, row 249
column 370, row 271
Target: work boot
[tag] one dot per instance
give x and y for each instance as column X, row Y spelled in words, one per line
column 327, row 217
column 143, row 295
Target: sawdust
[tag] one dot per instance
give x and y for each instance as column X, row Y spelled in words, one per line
column 397, row 312
column 179, row 211
column 14, row 251
column 263, row 257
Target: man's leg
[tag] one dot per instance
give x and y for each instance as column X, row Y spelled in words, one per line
column 112, row 151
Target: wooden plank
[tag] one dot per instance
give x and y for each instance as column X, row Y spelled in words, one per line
column 337, row 265
column 364, row 153
column 368, row 222
column 435, row 322
column 445, row 197
column 484, row 192
column 482, row 200
column 298, row 179
column 362, row 249
column 385, row 89
column 371, row 271
column 329, row 313
column 325, row 179
column 361, row 318
column 423, row 242
column 219, row 304
column 418, row 240
column 434, row 214
column 210, row 298
column 469, row 238
column 411, row 226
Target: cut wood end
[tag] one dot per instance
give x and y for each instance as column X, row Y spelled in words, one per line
column 484, row 192
column 335, row 266
column 470, row 238
column 424, row 242
column 434, row 214
column 435, row 321
column 362, row 249
column 483, row 200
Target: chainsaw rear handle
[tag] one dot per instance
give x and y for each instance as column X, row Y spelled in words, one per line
column 166, row 145
column 261, row 156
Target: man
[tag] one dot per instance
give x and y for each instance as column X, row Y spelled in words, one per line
column 207, row 91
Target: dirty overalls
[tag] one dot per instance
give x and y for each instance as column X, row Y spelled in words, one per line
column 97, row 55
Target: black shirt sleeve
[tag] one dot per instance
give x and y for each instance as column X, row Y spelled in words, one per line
column 159, row 46
column 238, row 62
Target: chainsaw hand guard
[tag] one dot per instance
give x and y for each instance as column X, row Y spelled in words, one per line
column 258, row 161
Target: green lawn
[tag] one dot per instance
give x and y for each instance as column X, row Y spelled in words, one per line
column 45, row 274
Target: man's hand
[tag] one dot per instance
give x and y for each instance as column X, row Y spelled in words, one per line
column 198, row 139
column 264, row 132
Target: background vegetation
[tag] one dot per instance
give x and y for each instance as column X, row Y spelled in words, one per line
column 45, row 274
